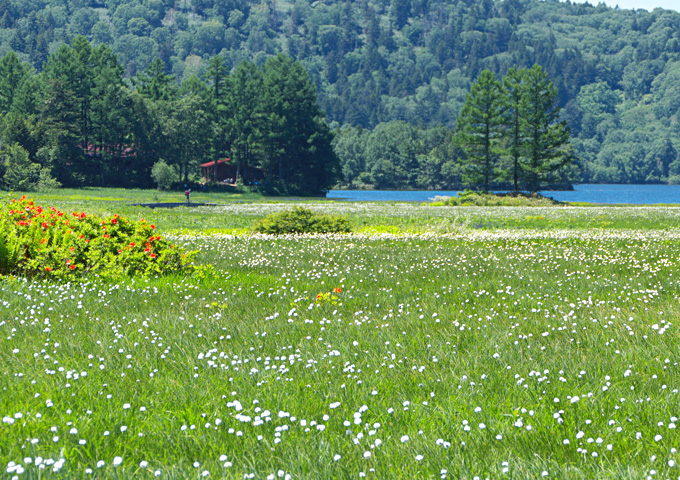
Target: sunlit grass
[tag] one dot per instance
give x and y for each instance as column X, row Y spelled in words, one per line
column 450, row 351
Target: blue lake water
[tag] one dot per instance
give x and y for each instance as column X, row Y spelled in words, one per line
column 635, row 194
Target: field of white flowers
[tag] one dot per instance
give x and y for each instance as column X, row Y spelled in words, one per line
column 466, row 352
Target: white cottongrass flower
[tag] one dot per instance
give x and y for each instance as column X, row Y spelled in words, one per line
column 117, row 461
column 404, row 439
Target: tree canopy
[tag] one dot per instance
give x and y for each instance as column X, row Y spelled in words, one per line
column 90, row 126
column 616, row 72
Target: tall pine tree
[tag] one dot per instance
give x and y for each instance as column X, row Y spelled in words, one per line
column 297, row 143
column 154, row 83
column 12, row 76
column 514, row 87
column 546, row 145
column 479, row 129
column 217, row 77
column 245, row 111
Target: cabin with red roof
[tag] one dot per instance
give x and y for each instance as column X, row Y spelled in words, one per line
column 224, row 171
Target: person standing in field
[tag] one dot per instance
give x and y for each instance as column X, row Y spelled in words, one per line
column 187, row 193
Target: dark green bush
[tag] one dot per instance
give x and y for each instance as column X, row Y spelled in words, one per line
column 46, row 242
column 302, row 220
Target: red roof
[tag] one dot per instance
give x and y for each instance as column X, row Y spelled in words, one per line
column 125, row 150
column 212, row 163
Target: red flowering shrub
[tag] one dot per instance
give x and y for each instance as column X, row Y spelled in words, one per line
column 46, row 242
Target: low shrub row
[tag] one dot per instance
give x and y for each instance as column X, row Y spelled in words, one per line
column 487, row 199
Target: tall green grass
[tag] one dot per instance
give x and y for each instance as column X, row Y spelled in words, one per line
column 428, row 337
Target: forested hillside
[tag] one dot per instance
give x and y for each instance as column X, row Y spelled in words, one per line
column 377, row 62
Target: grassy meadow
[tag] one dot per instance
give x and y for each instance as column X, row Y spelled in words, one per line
column 434, row 342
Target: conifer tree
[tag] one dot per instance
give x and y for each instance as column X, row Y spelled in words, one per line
column 154, row 83
column 217, row 77
column 514, row 87
column 479, row 129
column 12, row 76
column 546, row 145
column 245, row 111
column 297, row 143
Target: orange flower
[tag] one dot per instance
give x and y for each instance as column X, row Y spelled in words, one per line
column 72, row 267
column 337, row 290
column 152, row 226
column 153, row 255
column 48, row 269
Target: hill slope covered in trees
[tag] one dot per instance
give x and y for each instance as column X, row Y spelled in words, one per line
column 402, row 68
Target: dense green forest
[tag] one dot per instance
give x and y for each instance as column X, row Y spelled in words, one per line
column 393, row 75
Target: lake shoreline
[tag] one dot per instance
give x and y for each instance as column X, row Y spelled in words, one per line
column 606, row 194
